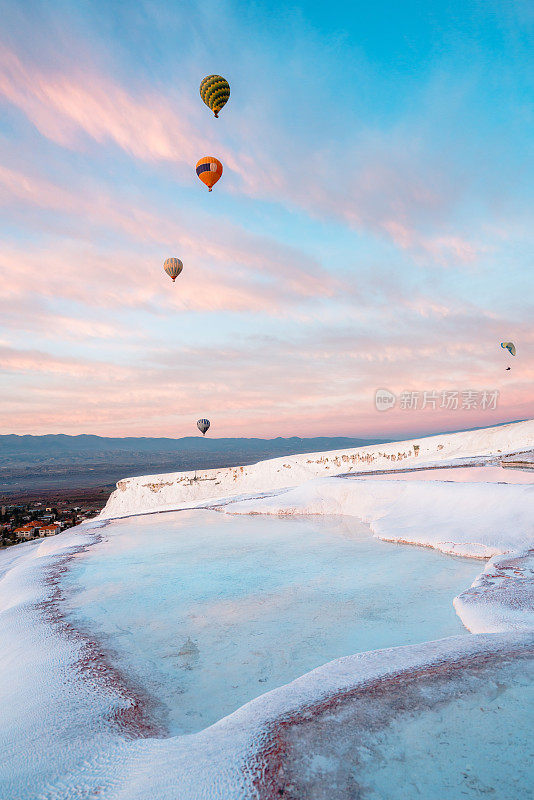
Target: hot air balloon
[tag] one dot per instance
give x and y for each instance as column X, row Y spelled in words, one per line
column 203, row 425
column 510, row 346
column 215, row 92
column 173, row 267
column 209, row 170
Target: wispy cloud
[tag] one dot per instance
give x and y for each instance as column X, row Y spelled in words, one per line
column 239, row 271
column 389, row 185
column 67, row 106
column 319, row 382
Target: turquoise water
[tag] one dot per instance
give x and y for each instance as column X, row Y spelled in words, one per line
column 477, row 744
column 451, row 735
column 207, row 611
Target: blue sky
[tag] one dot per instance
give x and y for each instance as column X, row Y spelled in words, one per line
column 372, row 227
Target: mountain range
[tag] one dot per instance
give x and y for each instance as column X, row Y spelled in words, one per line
column 58, row 460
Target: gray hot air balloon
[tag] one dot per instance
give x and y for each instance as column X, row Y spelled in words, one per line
column 173, row 267
column 203, row 425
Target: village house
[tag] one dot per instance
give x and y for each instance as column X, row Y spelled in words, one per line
column 21, row 527
column 49, row 530
column 25, row 532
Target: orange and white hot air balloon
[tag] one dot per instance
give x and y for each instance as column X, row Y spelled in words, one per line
column 209, row 170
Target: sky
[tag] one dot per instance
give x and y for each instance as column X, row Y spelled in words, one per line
column 372, row 228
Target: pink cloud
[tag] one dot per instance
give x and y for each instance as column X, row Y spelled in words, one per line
column 244, row 271
column 64, row 105
column 35, row 362
column 38, row 318
column 441, row 249
column 55, row 412
column 126, row 280
column 301, row 388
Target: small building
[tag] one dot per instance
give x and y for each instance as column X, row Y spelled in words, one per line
column 25, row 532
column 49, row 530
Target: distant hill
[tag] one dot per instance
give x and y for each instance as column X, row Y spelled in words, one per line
column 58, row 445
column 58, row 460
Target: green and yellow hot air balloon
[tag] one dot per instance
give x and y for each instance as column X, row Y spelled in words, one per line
column 215, row 91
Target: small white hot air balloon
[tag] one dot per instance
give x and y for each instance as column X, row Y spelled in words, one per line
column 173, row 267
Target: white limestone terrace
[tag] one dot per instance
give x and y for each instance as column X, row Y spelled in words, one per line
column 76, row 727
column 521, row 461
column 176, row 490
column 476, row 519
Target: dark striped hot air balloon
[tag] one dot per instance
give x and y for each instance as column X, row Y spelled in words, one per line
column 203, row 425
column 215, row 91
column 173, row 267
column 209, row 170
